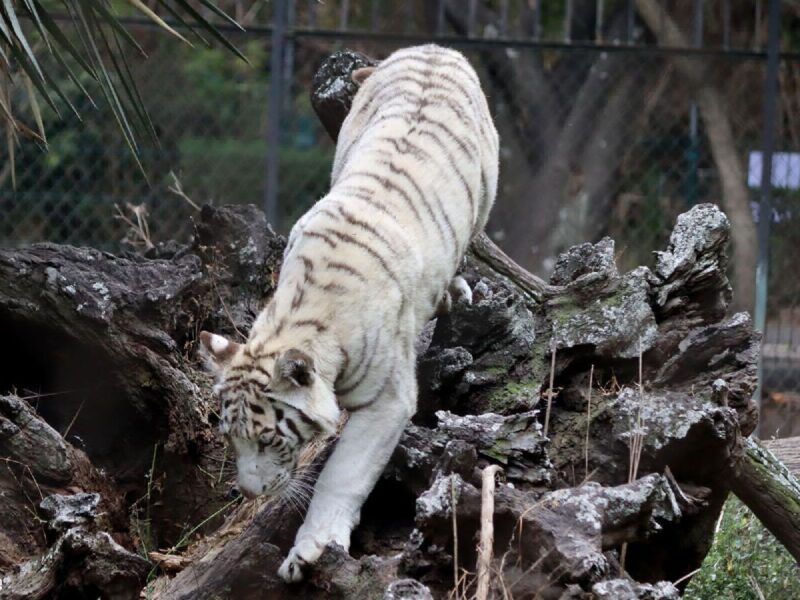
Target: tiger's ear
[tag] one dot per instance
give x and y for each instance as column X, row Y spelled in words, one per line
column 218, row 350
column 294, row 369
column 359, row 76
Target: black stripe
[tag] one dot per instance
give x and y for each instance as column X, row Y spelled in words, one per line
column 447, row 221
column 307, row 262
column 364, row 372
column 322, row 237
column 305, row 418
column 339, row 266
column 299, row 295
column 349, row 239
column 433, row 62
column 365, row 351
column 294, row 429
column 461, row 65
column 366, row 227
column 470, row 152
column 258, row 368
column 285, row 435
column 318, row 325
column 377, row 104
column 402, row 172
column 281, row 325
column 376, row 205
column 335, row 288
column 426, row 79
column 403, row 146
column 380, row 391
column 257, row 409
column 329, row 213
column 445, row 99
column 357, row 189
column 389, row 186
column 453, row 166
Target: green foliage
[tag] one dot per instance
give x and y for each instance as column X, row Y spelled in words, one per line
column 102, row 55
column 745, row 558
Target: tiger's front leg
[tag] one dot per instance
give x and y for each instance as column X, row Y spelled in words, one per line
column 363, row 450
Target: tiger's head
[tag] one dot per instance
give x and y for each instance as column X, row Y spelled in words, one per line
column 270, row 408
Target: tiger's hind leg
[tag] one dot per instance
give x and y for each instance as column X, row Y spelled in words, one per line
column 362, row 452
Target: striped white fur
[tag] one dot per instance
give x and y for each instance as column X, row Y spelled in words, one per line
column 414, row 178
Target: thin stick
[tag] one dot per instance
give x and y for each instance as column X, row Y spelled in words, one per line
column 588, row 424
column 455, row 531
column 550, row 391
column 487, row 531
column 74, row 418
column 685, row 577
column 177, row 189
column 623, row 553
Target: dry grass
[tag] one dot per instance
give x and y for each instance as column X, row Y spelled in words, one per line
column 177, row 189
column 637, row 431
column 635, row 448
column 138, row 232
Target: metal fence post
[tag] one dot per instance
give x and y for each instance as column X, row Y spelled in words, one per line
column 693, row 151
column 276, row 93
column 765, row 205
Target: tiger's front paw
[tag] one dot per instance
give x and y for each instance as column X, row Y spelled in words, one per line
column 305, row 552
column 301, row 555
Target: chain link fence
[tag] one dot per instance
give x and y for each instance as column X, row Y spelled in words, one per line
column 607, row 126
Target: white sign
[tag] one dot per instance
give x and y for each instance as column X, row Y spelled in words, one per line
column 785, row 170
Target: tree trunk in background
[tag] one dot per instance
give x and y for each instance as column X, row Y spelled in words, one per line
column 735, row 198
column 563, row 125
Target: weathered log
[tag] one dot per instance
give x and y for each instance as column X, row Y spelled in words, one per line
column 82, row 560
column 334, row 88
column 770, row 490
column 560, row 537
column 38, row 465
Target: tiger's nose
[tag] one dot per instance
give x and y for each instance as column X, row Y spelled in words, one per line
column 247, row 492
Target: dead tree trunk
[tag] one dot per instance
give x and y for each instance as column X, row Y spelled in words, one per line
column 772, row 492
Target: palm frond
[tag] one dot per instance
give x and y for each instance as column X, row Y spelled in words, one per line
column 100, row 53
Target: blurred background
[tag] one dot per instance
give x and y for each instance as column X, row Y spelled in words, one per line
column 614, row 117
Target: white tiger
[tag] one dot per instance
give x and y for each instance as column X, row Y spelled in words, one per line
column 414, row 178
